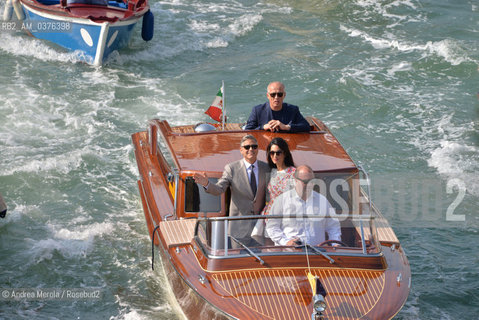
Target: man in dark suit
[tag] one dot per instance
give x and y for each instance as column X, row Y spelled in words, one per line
column 247, row 178
column 276, row 115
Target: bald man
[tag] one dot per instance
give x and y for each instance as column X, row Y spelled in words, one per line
column 276, row 115
column 298, row 202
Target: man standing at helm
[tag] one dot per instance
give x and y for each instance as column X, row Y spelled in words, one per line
column 276, row 115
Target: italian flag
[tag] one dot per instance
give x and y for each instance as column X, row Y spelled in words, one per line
column 215, row 110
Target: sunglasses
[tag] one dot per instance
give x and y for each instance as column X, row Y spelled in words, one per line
column 278, row 153
column 252, row 146
column 305, row 181
column 274, row 94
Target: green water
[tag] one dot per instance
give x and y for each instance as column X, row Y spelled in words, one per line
column 396, row 82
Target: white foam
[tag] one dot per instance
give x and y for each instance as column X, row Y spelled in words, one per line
column 446, row 147
column 204, row 26
column 63, row 163
column 245, row 24
column 69, row 243
column 133, row 315
column 14, row 213
column 381, row 7
column 217, row 43
column 87, row 232
column 448, row 49
column 456, row 160
column 44, row 249
column 19, row 44
column 211, row 25
column 398, row 3
column 400, row 67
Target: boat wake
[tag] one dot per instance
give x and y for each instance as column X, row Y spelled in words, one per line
column 19, row 44
column 448, row 49
column 424, row 116
column 208, row 26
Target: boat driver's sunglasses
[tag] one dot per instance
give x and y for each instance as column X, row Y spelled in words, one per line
column 274, row 94
column 252, row 146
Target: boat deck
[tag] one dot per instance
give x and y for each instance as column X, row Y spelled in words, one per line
column 211, row 151
column 285, row 298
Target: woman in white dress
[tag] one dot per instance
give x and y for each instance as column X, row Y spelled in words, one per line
column 282, row 176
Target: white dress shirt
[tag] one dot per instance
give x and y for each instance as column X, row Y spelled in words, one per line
column 248, row 170
column 310, row 231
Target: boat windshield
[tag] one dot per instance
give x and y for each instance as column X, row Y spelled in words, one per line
column 265, row 235
column 338, row 218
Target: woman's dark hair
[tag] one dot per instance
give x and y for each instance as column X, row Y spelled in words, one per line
column 283, row 145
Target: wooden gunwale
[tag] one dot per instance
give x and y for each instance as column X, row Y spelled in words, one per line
column 160, row 197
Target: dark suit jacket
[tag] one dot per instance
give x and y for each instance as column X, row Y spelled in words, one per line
column 242, row 201
column 289, row 114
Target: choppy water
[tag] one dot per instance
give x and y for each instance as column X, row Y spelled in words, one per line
column 395, row 80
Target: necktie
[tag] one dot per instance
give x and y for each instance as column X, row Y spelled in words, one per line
column 252, row 181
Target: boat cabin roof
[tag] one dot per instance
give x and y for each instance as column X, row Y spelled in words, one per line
column 211, row 151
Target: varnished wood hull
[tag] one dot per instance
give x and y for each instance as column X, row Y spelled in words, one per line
column 193, row 305
column 282, row 293
column 242, row 288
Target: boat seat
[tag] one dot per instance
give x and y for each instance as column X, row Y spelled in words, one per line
column 178, row 232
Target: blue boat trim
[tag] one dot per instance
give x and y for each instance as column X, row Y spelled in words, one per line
column 93, row 40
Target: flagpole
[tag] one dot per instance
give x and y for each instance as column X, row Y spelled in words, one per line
column 224, row 105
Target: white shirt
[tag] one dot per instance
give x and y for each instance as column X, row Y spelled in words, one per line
column 311, row 231
column 248, row 170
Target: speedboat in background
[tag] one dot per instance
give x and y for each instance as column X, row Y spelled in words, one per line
column 92, row 28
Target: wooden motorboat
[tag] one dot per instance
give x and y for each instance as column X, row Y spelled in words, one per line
column 366, row 277
column 92, row 28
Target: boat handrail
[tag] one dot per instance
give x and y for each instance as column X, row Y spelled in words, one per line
column 368, row 183
column 361, row 169
column 176, row 174
column 212, row 242
column 357, row 217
